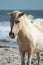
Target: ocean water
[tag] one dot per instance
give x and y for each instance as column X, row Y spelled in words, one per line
column 5, row 25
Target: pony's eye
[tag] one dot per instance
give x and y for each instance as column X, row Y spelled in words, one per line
column 17, row 22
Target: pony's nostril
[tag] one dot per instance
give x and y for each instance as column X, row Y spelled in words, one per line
column 11, row 35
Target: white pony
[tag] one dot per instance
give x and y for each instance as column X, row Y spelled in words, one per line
column 29, row 38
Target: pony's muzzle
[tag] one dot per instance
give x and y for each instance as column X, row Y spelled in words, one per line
column 11, row 35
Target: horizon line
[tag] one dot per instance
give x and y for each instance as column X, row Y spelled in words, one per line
column 22, row 9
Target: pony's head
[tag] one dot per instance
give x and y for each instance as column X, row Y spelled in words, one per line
column 15, row 23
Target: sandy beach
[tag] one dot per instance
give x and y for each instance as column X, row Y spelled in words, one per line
column 11, row 56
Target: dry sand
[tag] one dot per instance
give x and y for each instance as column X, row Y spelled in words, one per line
column 11, row 56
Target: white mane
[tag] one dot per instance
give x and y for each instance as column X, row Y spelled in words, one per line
column 31, row 18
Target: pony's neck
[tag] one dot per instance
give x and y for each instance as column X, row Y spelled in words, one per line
column 24, row 30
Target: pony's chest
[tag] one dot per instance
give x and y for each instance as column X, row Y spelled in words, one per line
column 24, row 44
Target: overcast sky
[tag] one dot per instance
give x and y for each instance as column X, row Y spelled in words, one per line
column 21, row 4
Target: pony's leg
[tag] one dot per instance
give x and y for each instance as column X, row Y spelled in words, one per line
column 22, row 59
column 38, row 58
column 29, row 57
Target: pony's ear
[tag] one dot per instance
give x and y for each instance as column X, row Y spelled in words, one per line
column 21, row 14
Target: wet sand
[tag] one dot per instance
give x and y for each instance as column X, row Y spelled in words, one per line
column 11, row 56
